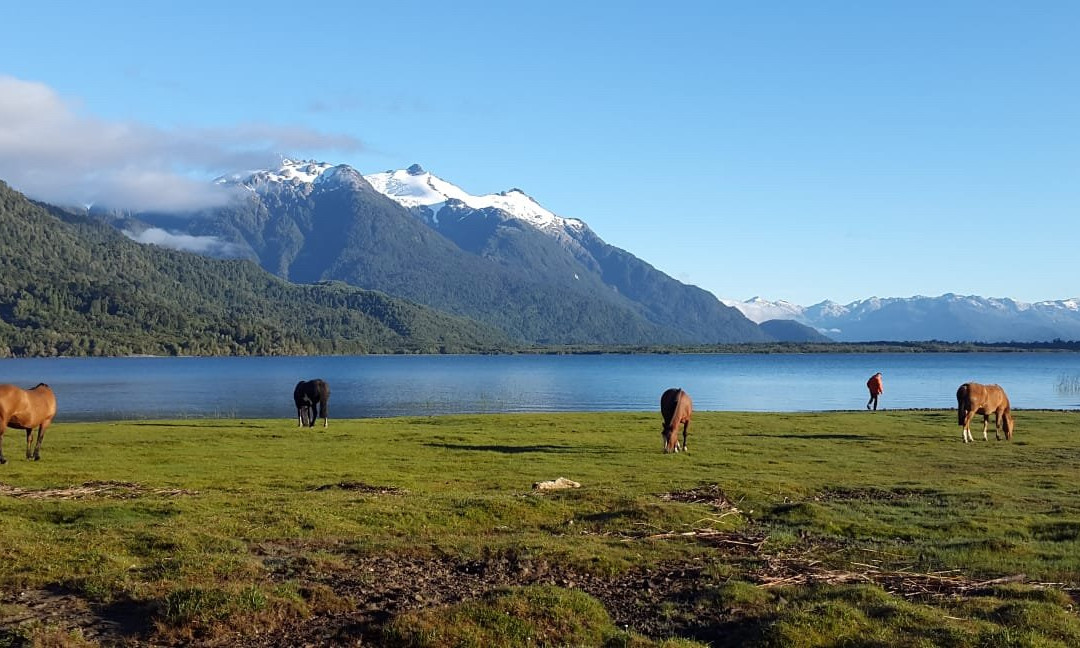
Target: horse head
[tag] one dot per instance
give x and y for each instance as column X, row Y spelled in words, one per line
column 671, row 438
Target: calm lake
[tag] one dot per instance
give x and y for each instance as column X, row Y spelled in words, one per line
column 91, row 389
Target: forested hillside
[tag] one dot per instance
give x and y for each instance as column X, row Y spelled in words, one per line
column 75, row 286
column 312, row 221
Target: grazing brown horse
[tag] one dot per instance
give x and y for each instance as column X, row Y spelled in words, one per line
column 25, row 409
column 973, row 398
column 308, row 394
column 676, row 408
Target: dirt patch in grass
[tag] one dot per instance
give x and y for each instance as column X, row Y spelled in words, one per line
column 712, row 495
column 381, row 587
column 93, row 489
column 874, row 495
column 361, row 487
column 352, row 596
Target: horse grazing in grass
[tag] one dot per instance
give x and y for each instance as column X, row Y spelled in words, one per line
column 307, row 395
column 25, row 409
column 676, row 408
column 973, row 398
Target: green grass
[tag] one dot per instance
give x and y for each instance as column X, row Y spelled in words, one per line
column 185, row 512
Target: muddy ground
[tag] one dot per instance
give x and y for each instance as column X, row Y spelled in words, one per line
column 377, row 588
column 370, row 590
column 380, row 587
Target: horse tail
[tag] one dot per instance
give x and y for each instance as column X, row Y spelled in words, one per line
column 962, row 403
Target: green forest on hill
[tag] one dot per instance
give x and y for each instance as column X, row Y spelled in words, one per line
column 72, row 286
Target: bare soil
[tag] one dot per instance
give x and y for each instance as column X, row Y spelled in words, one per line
column 375, row 588
column 378, row 588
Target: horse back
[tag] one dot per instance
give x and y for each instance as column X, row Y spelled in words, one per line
column 311, row 391
column 981, row 399
column 27, row 408
column 995, row 396
column 675, row 406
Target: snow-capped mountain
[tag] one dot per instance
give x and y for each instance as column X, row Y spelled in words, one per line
column 502, row 258
column 413, row 234
column 302, row 176
column 416, row 189
column 758, row 309
column 948, row 317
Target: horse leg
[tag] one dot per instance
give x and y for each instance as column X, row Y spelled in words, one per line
column 685, row 429
column 37, row 447
column 3, row 428
column 323, row 407
column 967, row 426
column 986, row 425
column 997, row 424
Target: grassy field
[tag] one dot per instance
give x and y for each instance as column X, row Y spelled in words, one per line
column 820, row 529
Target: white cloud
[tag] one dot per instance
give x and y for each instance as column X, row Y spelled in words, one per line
column 207, row 245
column 49, row 151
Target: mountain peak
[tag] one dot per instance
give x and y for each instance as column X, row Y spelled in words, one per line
column 290, row 172
column 416, row 188
column 301, row 170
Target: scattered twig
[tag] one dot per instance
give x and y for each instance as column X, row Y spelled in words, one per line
column 105, row 489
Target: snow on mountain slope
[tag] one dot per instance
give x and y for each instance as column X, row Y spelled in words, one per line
column 291, row 172
column 760, row 310
column 946, row 317
column 414, row 187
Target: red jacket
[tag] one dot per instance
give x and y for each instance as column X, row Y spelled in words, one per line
column 875, row 384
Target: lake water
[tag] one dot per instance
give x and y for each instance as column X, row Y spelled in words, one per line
column 376, row 386
column 381, row 386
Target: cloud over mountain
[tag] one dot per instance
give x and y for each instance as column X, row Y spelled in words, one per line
column 51, row 151
column 208, row 245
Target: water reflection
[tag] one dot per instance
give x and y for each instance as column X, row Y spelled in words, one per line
column 377, row 386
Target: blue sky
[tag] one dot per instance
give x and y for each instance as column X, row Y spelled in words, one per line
column 794, row 150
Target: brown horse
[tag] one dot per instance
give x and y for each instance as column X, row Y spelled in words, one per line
column 973, row 398
column 676, row 408
column 25, row 409
column 307, row 395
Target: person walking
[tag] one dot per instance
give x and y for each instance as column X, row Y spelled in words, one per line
column 876, row 387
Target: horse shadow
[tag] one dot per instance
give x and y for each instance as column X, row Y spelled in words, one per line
column 829, row 436
column 120, row 620
column 186, row 425
column 505, row 449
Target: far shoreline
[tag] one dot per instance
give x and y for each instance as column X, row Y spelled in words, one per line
column 291, row 420
column 763, row 348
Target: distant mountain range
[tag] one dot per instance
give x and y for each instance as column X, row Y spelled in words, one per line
column 500, row 259
column 520, row 271
column 948, row 318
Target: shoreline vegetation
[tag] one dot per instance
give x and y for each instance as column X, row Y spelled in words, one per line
column 933, row 346
column 775, row 529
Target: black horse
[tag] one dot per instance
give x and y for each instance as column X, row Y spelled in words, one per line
column 307, row 395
